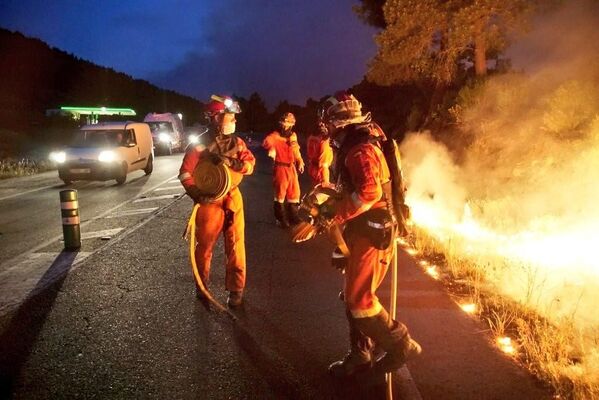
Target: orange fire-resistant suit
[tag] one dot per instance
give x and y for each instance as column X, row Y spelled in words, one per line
column 362, row 171
column 320, row 158
column 224, row 215
column 286, row 154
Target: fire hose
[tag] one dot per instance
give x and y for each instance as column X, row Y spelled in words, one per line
column 190, row 236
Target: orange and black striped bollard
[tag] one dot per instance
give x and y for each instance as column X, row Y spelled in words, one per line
column 69, row 208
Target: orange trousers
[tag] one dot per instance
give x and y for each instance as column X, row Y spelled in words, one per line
column 318, row 174
column 365, row 271
column 225, row 215
column 286, row 184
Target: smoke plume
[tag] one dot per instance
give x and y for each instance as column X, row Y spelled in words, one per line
column 527, row 189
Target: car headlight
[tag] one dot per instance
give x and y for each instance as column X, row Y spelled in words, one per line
column 58, row 156
column 106, row 156
column 164, row 137
column 193, row 139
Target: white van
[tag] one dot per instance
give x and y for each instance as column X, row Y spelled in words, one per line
column 105, row 151
column 167, row 131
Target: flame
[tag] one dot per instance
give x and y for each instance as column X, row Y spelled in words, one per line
column 411, row 251
column 468, row 308
column 542, row 257
column 505, row 344
column 511, row 189
column 432, row 271
column 535, row 247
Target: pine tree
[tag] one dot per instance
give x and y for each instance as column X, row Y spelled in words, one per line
column 435, row 39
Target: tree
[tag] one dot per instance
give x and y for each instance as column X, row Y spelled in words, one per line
column 434, row 39
column 371, row 12
column 257, row 114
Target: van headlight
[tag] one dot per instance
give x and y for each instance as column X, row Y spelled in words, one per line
column 164, row 137
column 193, row 139
column 106, row 156
column 58, row 156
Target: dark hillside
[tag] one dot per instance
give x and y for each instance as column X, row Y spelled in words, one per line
column 35, row 77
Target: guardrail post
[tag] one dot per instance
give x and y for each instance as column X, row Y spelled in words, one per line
column 69, row 208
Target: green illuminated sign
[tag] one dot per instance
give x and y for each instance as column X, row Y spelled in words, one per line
column 98, row 110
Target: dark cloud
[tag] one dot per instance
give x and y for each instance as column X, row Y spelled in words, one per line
column 288, row 49
column 281, row 50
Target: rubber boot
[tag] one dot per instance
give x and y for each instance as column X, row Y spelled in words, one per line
column 280, row 215
column 235, row 298
column 292, row 209
column 393, row 337
column 358, row 358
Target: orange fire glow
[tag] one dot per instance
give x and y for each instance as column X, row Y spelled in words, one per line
column 505, row 344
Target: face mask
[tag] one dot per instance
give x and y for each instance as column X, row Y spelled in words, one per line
column 228, row 129
column 323, row 130
column 286, row 130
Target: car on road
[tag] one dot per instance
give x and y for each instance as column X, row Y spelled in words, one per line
column 106, row 151
column 167, row 131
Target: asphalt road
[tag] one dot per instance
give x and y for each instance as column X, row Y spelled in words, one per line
column 30, row 206
column 124, row 322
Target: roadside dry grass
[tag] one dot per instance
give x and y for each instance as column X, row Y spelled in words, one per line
column 10, row 168
column 557, row 352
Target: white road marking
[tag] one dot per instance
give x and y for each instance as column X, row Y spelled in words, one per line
column 21, row 278
column 127, row 213
column 175, row 181
column 29, row 191
column 32, row 274
column 166, row 196
column 53, row 240
column 179, row 188
column 97, row 234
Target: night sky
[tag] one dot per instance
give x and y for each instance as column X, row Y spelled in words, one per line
column 283, row 49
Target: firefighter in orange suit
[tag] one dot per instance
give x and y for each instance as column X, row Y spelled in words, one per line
column 362, row 173
column 220, row 144
column 320, row 156
column 283, row 148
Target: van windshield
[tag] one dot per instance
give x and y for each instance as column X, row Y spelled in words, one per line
column 160, row 127
column 97, row 138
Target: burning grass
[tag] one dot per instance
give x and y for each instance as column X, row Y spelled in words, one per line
column 509, row 216
column 558, row 352
column 505, row 203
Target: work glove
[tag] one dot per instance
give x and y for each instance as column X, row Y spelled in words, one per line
column 204, row 199
column 216, row 159
column 234, row 163
column 197, row 196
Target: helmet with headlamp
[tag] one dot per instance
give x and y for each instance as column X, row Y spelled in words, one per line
column 221, row 105
column 342, row 109
column 216, row 111
column 286, row 122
